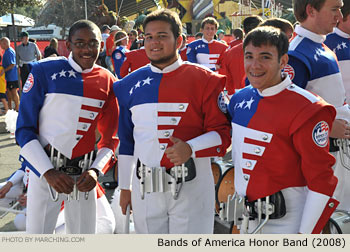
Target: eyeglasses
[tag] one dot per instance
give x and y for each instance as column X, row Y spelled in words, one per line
column 93, row 44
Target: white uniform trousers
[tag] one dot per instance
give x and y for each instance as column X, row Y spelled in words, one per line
column 42, row 212
column 191, row 213
column 289, row 224
column 342, row 192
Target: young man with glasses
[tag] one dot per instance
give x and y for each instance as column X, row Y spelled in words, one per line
column 64, row 101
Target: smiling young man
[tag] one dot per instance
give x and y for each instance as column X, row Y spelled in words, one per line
column 274, row 151
column 169, row 122
column 63, row 102
column 206, row 51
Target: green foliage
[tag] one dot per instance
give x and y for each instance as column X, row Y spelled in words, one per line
column 7, row 6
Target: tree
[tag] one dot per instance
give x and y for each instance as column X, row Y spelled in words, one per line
column 7, row 6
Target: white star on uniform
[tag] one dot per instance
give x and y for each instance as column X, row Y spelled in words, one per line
column 131, row 90
column 241, row 104
column 147, row 81
column 62, row 73
column 72, row 73
column 315, row 57
column 344, row 45
column 53, row 77
column 249, row 103
column 339, row 46
column 137, row 85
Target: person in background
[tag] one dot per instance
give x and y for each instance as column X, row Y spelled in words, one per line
column 121, row 40
column 110, row 46
column 198, row 35
column 238, row 35
column 221, row 34
column 207, row 50
column 10, row 71
column 314, row 67
column 339, row 42
column 183, row 48
column 105, row 34
column 27, row 53
column 3, row 90
column 232, row 61
column 133, row 37
column 51, row 49
column 134, row 60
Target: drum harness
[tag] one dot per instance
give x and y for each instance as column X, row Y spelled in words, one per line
column 160, row 179
column 240, row 211
column 72, row 167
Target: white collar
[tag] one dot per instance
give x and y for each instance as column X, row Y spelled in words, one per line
column 341, row 33
column 277, row 88
column 206, row 41
column 169, row 68
column 75, row 65
column 309, row 34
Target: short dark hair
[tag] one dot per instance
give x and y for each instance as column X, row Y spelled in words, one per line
column 345, row 10
column 268, row 35
column 279, row 23
column 134, row 32
column 238, row 33
column 249, row 23
column 167, row 16
column 209, row 20
column 299, row 7
column 82, row 24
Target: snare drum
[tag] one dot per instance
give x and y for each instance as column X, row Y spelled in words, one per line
column 224, row 188
column 216, row 170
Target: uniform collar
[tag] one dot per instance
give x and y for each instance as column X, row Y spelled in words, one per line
column 169, row 68
column 277, row 88
column 206, row 41
column 341, row 33
column 75, row 65
column 317, row 38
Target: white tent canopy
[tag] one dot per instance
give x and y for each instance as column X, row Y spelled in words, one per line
column 20, row 20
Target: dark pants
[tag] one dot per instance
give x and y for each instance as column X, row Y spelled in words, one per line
column 24, row 73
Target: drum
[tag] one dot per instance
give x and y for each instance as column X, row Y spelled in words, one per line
column 216, row 170
column 224, row 188
column 339, row 223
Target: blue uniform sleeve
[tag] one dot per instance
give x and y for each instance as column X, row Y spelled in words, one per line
column 32, row 100
column 191, row 53
column 297, row 71
column 118, row 60
column 126, row 126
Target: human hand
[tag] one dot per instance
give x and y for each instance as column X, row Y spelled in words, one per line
column 340, row 129
column 60, row 181
column 22, row 199
column 5, row 189
column 125, row 200
column 87, row 181
column 180, row 152
column 2, row 72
